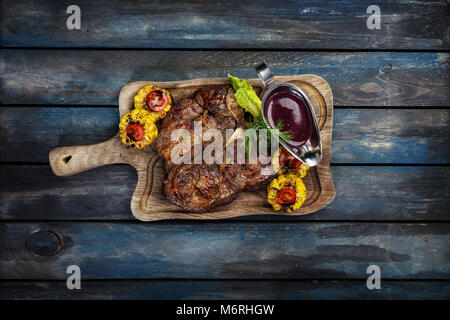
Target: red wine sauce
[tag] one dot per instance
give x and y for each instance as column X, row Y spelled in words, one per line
column 291, row 108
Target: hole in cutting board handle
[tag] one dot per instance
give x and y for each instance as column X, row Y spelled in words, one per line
column 66, row 159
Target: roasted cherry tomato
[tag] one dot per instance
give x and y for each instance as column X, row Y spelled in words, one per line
column 295, row 163
column 157, row 100
column 286, row 196
column 135, row 131
column 287, row 159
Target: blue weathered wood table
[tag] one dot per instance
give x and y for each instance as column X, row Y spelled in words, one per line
column 390, row 150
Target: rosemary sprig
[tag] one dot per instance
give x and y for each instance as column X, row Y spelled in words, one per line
column 259, row 123
column 284, row 135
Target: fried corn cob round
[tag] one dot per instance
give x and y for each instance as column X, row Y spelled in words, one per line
column 286, row 181
column 143, row 119
column 140, row 102
column 301, row 172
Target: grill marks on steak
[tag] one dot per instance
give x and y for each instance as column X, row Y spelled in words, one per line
column 201, row 187
column 206, row 105
column 181, row 116
column 195, row 187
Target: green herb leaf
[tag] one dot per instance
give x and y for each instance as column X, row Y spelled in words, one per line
column 284, row 135
column 259, row 123
column 245, row 96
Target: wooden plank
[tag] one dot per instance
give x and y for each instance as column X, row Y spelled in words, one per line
column 34, row 192
column 232, row 289
column 91, row 77
column 227, row 24
column 362, row 193
column 390, row 136
column 231, row 250
column 41, row 129
column 27, row 134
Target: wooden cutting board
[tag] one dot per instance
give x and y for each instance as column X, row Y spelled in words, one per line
column 148, row 203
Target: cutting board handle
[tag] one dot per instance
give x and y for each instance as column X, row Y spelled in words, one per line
column 70, row 160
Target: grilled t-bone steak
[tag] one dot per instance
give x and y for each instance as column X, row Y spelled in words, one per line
column 201, row 187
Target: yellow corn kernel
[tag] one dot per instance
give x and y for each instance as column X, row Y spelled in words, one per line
column 292, row 181
column 140, row 102
column 142, row 117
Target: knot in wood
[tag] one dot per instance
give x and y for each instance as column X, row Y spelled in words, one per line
column 44, row 243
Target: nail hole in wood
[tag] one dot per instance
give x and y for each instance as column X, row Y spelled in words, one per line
column 387, row 68
column 66, row 159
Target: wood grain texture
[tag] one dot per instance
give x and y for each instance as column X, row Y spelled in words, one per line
column 375, row 193
column 95, row 77
column 149, row 204
column 405, row 24
column 359, row 135
column 391, row 136
column 228, row 290
column 265, row 258
column 229, row 250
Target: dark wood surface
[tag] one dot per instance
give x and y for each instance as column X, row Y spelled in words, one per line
column 394, row 193
column 230, row 289
column 226, row 250
column 95, row 77
column 232, row 24
column 359, row 135
column 390, row 151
